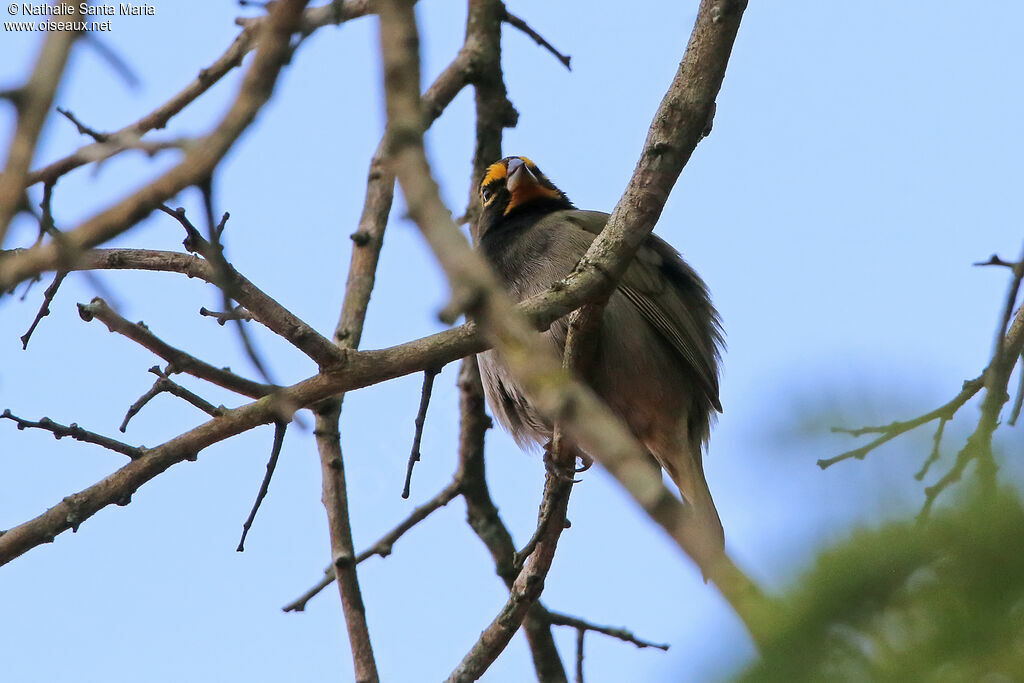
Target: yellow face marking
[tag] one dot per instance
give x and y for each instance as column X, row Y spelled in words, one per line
column 499, row 170
column 496, row 171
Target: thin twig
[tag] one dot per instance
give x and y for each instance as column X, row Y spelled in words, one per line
column 198, row 163
column 933, row 457
column 1008, row 346
column 44, row 308
column 994, row 260
column 234, row 286
column 232, row 58
column 33, row 103
column 82, row 128
column 421, row 418
column 117, row 64
column 162, row 385
column 891, row 431
column 560, row 619
column 59, row 431
column 384, row 545
column 515, row 21
column 236, row 313
column 180, row 361
column 580, row 633
column 275, row 451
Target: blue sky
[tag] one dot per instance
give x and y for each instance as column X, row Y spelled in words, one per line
column 863, row 156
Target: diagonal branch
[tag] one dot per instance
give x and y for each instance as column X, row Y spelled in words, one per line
column 313, row 18
column 198, row 163
column 162, row 385
column 280, row 428
column 518, row 23
column 33, row 103
column 264, row 308
column 178, row 359
column 59, row 431
column 384, row 545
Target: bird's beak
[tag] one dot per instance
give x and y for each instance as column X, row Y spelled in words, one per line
column 519, row 176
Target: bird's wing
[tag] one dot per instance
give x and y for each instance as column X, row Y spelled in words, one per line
column 673, row 300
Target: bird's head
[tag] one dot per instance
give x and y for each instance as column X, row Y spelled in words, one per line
column 515, row 187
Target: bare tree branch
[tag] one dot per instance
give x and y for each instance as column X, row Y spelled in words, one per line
column 622, row 634
column 33, row 104
column 316, row 17
column 162, row 385
column 179, row 360
column 275, row 452
column 945, row 412
column 59, row 431
column 515, row 21
column 482, row 516
column 421, row 418
column 384, row 545
column 44, row 308
column 198, row 163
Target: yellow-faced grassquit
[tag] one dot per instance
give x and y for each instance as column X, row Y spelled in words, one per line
column 659, row 343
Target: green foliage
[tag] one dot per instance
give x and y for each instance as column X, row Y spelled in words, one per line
column 942, row 601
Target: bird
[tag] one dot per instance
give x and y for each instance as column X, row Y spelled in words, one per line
column 660, row 340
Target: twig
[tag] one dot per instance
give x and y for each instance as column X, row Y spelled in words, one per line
column 82, row 128
column 233, row 286
column 891, row 431
column 262, row 306
column 119, row 66
column 1008, row 346
column 179, row 360
column 537, row 38
column 933, row 457
column 994, row 260
column 164, row 384
column 421, row 418
column 59, row 431
column 580, row 633
column 560, row 619
column 198, row 163
column 384, row 545
column 207, row 77
column 33, row 103
column 275, row 451
column 44, row 308
column 237, row 313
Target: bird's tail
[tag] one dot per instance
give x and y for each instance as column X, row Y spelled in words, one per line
column 684, row 464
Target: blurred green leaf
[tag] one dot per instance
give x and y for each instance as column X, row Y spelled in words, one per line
column 938, row 602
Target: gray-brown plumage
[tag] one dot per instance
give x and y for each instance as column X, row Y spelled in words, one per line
column 658, row 352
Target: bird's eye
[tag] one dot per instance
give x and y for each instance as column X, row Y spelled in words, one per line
column 486, row 194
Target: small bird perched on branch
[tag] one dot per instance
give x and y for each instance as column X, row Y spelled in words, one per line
column 659, row 342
